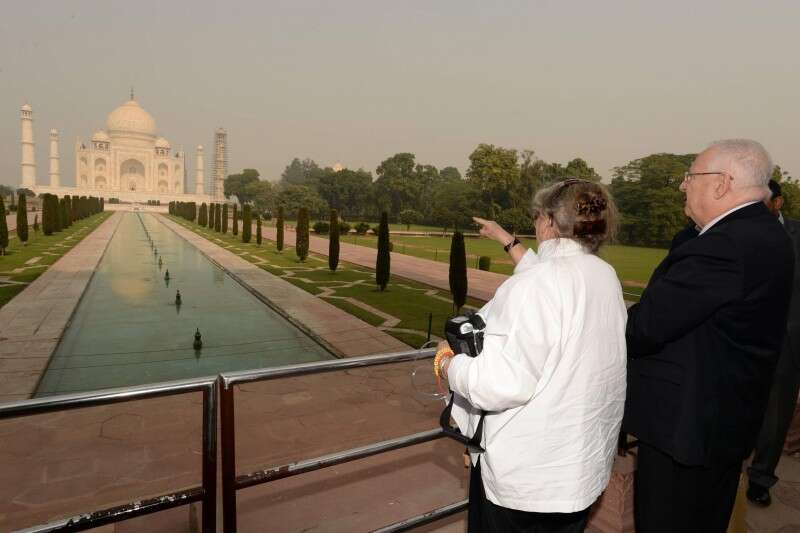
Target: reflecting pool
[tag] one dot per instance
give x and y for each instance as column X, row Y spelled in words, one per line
column 128, row 328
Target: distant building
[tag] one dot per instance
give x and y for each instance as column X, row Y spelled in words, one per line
column 126, row 160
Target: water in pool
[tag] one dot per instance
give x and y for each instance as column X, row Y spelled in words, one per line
column 129, row 330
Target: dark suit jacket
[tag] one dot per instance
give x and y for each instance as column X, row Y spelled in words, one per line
column 792, row 343
column 704, row 339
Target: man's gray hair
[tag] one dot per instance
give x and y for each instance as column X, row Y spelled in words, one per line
column 752, row 164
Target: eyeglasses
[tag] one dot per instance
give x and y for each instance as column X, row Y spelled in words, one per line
column 688, row 176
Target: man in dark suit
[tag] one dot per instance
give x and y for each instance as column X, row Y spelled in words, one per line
column 703, row 343
column 785, row 384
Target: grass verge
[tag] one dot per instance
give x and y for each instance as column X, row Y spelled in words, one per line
column 24, row 263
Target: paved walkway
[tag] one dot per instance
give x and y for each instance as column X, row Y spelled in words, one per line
column 32, row 323
column 339, row 331
column 480, row 284
column 11, row 220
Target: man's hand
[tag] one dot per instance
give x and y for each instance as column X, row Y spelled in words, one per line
column 492, row 230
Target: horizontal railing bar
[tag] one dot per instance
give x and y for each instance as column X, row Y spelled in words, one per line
column 332, row 459
column 105, row 396
column 247, row 376
column 118, row 514
column 427, row 518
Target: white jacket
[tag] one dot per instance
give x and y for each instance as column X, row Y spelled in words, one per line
column 552, row 376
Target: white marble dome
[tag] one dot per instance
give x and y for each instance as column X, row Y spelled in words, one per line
column 101, row 135
column 130, row 117
column 161, row 142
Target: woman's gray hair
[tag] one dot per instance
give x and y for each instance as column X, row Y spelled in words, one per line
column 752, row 164
column 581, row 210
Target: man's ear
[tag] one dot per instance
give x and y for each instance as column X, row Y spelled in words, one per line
column 722, row 186
column 778, row 203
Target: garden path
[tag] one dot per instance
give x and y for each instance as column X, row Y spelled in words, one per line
column 11, row 220
column 480, row 284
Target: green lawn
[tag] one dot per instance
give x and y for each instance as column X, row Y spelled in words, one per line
column 392, row 227
column 634, row 265
column 15, row 274
column 408, row 301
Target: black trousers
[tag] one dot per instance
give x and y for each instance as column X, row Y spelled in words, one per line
column 486, row 517
column 780, row 409
column 670, row 497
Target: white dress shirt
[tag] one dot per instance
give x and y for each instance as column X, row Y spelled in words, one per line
column 552, row 378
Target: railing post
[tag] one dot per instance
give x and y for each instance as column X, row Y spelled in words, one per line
column 228, row 433
column 210, row 458
column 430, row 325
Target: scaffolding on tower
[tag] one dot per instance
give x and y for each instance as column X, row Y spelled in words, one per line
column 220, row 163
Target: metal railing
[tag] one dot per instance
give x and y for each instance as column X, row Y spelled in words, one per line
column 220, row 391
column 231, row 482
column 206, row 493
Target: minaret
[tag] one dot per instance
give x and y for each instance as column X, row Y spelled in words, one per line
column 28, row 155
column 199, row 176
column 220, row 162
column 55, row 174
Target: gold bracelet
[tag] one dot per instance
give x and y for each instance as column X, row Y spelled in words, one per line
column 437, row 361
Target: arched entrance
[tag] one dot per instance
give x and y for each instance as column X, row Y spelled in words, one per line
column 131, row 173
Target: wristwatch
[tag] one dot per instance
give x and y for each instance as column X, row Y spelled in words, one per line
column 510, row 245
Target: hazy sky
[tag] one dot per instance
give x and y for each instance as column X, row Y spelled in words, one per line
column 356, row 82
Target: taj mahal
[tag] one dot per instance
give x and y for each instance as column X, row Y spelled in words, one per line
column 127, row 160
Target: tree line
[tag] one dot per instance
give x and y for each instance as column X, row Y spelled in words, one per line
column 499, row 184
column 57, row 214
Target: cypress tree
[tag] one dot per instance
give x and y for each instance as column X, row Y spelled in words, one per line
column 383, row 262
column 203, row 218
column 36, row 223
column 62, row 212
column 301, row 233
column 3, row 227
column 102, row 204
column 458, row 270
column 279, row 230
column 247, row 224
column 211, row 213
column 333, row 241
column 235, row 229
column 225, row 218
column 217, row 214
column 51, row 214
column 56, row 213
column 68, row 201
column 46, row 229
column 258, row 230
column 43, row 210
column 22, row 219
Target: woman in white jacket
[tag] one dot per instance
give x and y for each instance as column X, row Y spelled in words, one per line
column 551, row 375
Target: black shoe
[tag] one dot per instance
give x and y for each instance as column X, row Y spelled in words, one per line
column 758, row 495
